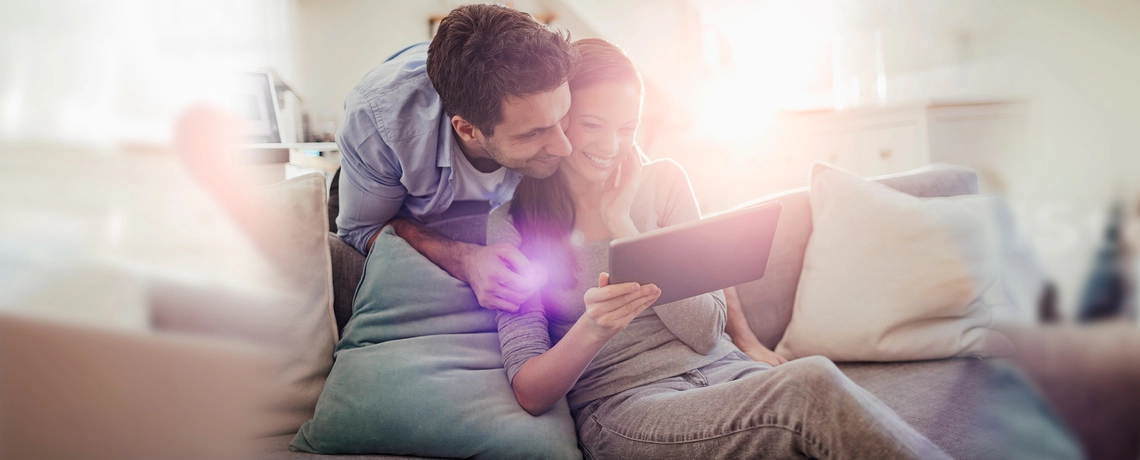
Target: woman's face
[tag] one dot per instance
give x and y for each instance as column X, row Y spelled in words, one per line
column 601, row 125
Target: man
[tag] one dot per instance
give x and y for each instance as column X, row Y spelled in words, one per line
column 461, row 119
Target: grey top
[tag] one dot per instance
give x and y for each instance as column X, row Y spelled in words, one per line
column 662, row 341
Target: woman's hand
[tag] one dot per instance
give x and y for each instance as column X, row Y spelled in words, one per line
column 762, row 354
column 617, row 199
column 610, row 308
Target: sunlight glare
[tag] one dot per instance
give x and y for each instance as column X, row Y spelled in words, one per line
column 779, row 52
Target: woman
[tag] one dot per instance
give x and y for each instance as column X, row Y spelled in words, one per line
column 661, row 382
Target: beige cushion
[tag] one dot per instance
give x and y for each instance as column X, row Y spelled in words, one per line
column 284, row 304
column 768, row 301
column 891, row 277
column 301, row 316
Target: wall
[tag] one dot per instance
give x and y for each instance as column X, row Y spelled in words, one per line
column 1079, row 62
column 103, row 73
column 338, row 42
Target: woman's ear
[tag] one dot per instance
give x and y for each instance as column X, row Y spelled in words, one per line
column 467, row 132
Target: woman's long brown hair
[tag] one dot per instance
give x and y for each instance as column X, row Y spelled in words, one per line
column 542, row 209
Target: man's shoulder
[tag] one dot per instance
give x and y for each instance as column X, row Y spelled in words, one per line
column 400, row 98
column 398, row 72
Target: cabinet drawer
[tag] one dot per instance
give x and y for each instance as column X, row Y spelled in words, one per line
column 838, row 149
column 888, row 150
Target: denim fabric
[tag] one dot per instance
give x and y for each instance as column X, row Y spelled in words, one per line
column 738, row 408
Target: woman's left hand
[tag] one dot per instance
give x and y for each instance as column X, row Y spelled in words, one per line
column 763, row 354
column 617, row 199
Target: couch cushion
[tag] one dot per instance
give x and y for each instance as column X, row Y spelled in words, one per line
column 288, row 305
column 304, row 317
column 971, row 408
column 768, row 302
column 891, row 277
column 347, row 268
column 419, row 372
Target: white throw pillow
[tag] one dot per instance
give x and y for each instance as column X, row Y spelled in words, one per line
column 891, row 277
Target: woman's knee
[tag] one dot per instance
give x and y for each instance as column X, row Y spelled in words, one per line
column 817, row 370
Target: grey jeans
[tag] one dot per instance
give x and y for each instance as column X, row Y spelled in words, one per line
column 739, row 408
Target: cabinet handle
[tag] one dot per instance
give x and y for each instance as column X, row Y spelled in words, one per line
column 885, row 154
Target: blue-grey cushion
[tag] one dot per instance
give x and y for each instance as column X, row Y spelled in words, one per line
column 419, row 371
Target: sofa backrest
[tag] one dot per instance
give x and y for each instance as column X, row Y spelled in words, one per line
column 768, row 302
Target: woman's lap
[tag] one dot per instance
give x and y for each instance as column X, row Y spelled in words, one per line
column 736, row 407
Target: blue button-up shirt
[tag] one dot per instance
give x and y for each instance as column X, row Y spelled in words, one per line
column 396, row 148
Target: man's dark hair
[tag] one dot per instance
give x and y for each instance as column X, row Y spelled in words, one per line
column 482, row 54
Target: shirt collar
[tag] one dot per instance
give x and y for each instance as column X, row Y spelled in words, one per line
column 448, row 143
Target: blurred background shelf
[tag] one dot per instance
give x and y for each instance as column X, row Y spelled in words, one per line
column 265, row 164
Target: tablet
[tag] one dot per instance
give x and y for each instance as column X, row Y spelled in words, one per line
column 698, row 257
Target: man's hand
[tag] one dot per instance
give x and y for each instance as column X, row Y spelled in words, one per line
column 501, row 276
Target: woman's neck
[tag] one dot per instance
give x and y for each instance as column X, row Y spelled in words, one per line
column 585, row 194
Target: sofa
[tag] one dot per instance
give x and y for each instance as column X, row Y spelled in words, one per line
column 1080, row 382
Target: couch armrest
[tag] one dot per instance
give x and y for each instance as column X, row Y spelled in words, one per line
column 1090, row 376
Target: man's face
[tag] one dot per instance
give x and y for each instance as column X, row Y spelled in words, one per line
column 530, row 139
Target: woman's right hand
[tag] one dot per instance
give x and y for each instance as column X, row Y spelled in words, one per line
column 610, row 308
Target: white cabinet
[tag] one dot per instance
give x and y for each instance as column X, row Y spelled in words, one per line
column 883, row 150
column 988, row 137
column 886, row 140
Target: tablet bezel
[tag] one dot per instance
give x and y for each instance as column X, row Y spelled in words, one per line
column 698, row 257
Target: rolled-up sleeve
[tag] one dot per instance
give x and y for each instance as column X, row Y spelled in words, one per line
column 523, row 334
column 371, row 193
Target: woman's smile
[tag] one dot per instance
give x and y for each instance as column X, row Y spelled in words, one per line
column 603, row 163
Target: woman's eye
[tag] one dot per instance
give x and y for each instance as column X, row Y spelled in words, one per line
column 592, row 125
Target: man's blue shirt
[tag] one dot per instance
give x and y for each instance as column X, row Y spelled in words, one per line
column 396, row 146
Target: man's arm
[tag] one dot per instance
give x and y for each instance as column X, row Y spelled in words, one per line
column 371, row 177
column 501, row 276
column 446, row 253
